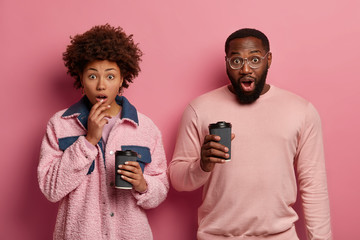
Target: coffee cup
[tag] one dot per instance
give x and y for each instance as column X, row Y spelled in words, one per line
column 120, row 158
column 222, row 129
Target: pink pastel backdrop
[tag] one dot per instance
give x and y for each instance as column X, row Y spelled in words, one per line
column 315, row 47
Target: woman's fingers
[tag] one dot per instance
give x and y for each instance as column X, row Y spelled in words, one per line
column 130, row 169
column 96, row 121
column 98, row 108
column 132, row 173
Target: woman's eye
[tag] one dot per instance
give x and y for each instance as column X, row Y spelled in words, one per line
column 111, row 77
column 92, row 76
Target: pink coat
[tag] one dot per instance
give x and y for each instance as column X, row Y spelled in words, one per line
column 82, row 179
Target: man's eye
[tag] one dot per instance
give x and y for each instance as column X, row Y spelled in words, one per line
column 111, row 77
column 237, row 61
column 255, row 59
column 92, row 76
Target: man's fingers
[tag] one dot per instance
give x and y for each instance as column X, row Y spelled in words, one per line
column 209, row 138
column 215, row 145
column 215, row 160
column 215, row 138
column 215, row 153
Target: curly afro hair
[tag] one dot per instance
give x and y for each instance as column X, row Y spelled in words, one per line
column 103, row 42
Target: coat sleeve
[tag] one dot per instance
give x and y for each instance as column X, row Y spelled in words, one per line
column 155, row 177
column 184, row 170
column 60, row 172
column 310, row 165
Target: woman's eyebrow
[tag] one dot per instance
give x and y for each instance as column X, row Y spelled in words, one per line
column 110, row 69
column 94, row 69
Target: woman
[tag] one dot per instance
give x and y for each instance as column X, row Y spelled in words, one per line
column 77, row 160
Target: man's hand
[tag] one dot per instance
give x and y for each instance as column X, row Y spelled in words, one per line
column 213, row 152
column 96, row 121
column 132, row 173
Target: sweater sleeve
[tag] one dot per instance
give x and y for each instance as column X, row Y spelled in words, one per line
column 311, row 173
column 184, row 170
column 155, row 177
column 60, row 172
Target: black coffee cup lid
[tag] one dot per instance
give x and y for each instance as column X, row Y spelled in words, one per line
column 221, row 124
column 128, row 153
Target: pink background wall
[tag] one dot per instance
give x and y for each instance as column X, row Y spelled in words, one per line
column 315, row 47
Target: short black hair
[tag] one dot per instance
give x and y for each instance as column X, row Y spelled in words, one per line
column 248, row 32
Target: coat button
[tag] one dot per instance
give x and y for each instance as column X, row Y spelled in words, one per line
column 111, row 152
column 112, row 214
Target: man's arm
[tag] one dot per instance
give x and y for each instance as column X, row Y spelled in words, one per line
column 184, row 170
column 310, row 164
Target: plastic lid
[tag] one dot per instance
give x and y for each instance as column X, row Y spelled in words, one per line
column 221, row 124
column 128, row 153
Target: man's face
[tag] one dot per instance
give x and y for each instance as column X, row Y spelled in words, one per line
column 247, row 82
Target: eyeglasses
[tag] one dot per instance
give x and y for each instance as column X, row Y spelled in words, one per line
column 237, row 62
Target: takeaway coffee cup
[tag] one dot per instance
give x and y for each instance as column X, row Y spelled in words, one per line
column 222, row 129
column 120, row 158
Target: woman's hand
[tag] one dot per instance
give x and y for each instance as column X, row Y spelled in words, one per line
column 132, row 173
column 96, row 121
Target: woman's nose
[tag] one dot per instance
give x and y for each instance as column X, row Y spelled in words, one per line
column 100, row 84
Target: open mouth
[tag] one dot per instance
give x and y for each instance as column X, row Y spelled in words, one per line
column 247, row 84
column 101, row 98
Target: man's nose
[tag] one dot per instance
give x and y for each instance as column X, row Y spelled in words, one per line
column 245, row 69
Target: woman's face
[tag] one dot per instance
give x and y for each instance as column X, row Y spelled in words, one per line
column 102, row 80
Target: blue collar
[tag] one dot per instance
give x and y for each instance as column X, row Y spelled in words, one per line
column 82, row 109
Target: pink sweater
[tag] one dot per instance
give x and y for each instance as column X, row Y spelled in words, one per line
column 278, row 139
column 82, row 178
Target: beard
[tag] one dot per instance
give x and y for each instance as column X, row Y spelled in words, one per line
column 248, row 97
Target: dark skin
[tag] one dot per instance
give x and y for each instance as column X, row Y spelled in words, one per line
column 212, row 152
column 247, row 47
column 130, row 171
column 103, row 78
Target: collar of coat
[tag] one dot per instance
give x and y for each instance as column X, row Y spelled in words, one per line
column 82, row 108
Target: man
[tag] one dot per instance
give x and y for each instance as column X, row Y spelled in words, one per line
column 278, row 141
